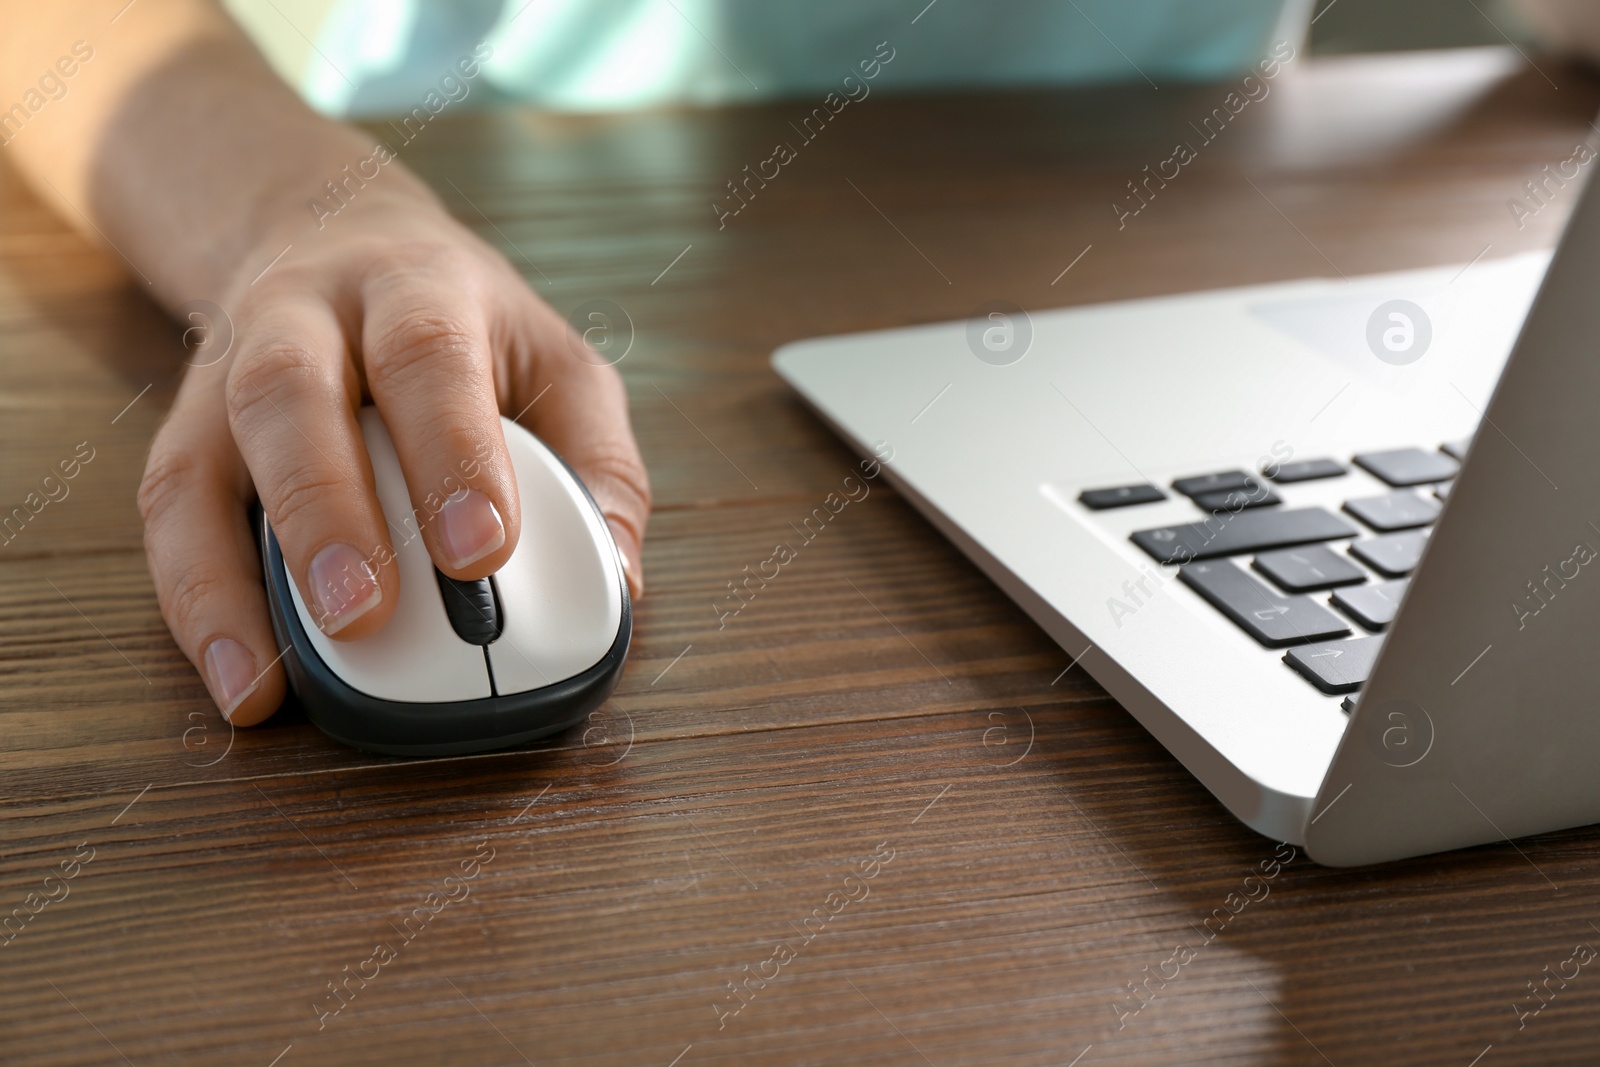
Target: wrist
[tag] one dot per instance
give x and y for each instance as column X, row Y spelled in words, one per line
column 209, row 170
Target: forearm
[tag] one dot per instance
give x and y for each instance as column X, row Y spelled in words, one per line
column 175, row 142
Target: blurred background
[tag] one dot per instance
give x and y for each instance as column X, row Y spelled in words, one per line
column 373, row 57
column 1398, row 25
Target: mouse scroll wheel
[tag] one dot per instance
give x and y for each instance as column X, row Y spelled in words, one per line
column 473, row 608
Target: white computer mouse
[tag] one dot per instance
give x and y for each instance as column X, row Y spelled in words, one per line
column 463, row 666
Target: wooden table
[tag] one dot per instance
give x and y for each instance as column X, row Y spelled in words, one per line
column 1037, row 854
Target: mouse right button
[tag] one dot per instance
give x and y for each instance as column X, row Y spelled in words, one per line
column 561, row 590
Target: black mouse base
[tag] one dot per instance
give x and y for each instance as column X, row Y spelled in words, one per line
column 453, row 748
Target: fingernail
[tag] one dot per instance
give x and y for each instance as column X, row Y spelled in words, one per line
column 343, row 587
column 232, row 670
column 469, row 528
column 626, row 546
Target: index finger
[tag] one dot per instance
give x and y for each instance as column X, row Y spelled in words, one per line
column 292, row 410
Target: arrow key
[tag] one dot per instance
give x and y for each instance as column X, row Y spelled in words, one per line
column 1338, row 666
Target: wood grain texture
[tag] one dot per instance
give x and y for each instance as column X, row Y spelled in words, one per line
column 879, row 695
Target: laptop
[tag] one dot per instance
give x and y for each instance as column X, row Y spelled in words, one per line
column 1334, row 542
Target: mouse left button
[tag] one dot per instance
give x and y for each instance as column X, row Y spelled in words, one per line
column 474, row 615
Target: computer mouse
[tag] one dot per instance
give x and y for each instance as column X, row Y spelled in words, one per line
column 468, row 666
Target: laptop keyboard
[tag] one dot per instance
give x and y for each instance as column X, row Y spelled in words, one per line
column 1270, row 569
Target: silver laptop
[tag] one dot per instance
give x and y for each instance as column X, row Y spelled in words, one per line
column 1336, row 543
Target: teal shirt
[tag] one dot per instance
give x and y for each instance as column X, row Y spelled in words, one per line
column 590, row 55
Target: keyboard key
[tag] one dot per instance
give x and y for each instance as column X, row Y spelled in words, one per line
column 1391, row 555
column 1273, row 620
column 1233, row 534
column 1400, row 510
column 1348, row 704
column 1458, row 449
column 1259, row 495
column 1220, row 482
column 1308, row 567
column 1305, row 470
column 1120, row 497
column 1373, row 606
column 1338, row 666
column 1442, row 490
column 1409, row 466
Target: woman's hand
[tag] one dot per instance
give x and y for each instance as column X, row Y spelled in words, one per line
column 391, row 302
column 184, row 153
